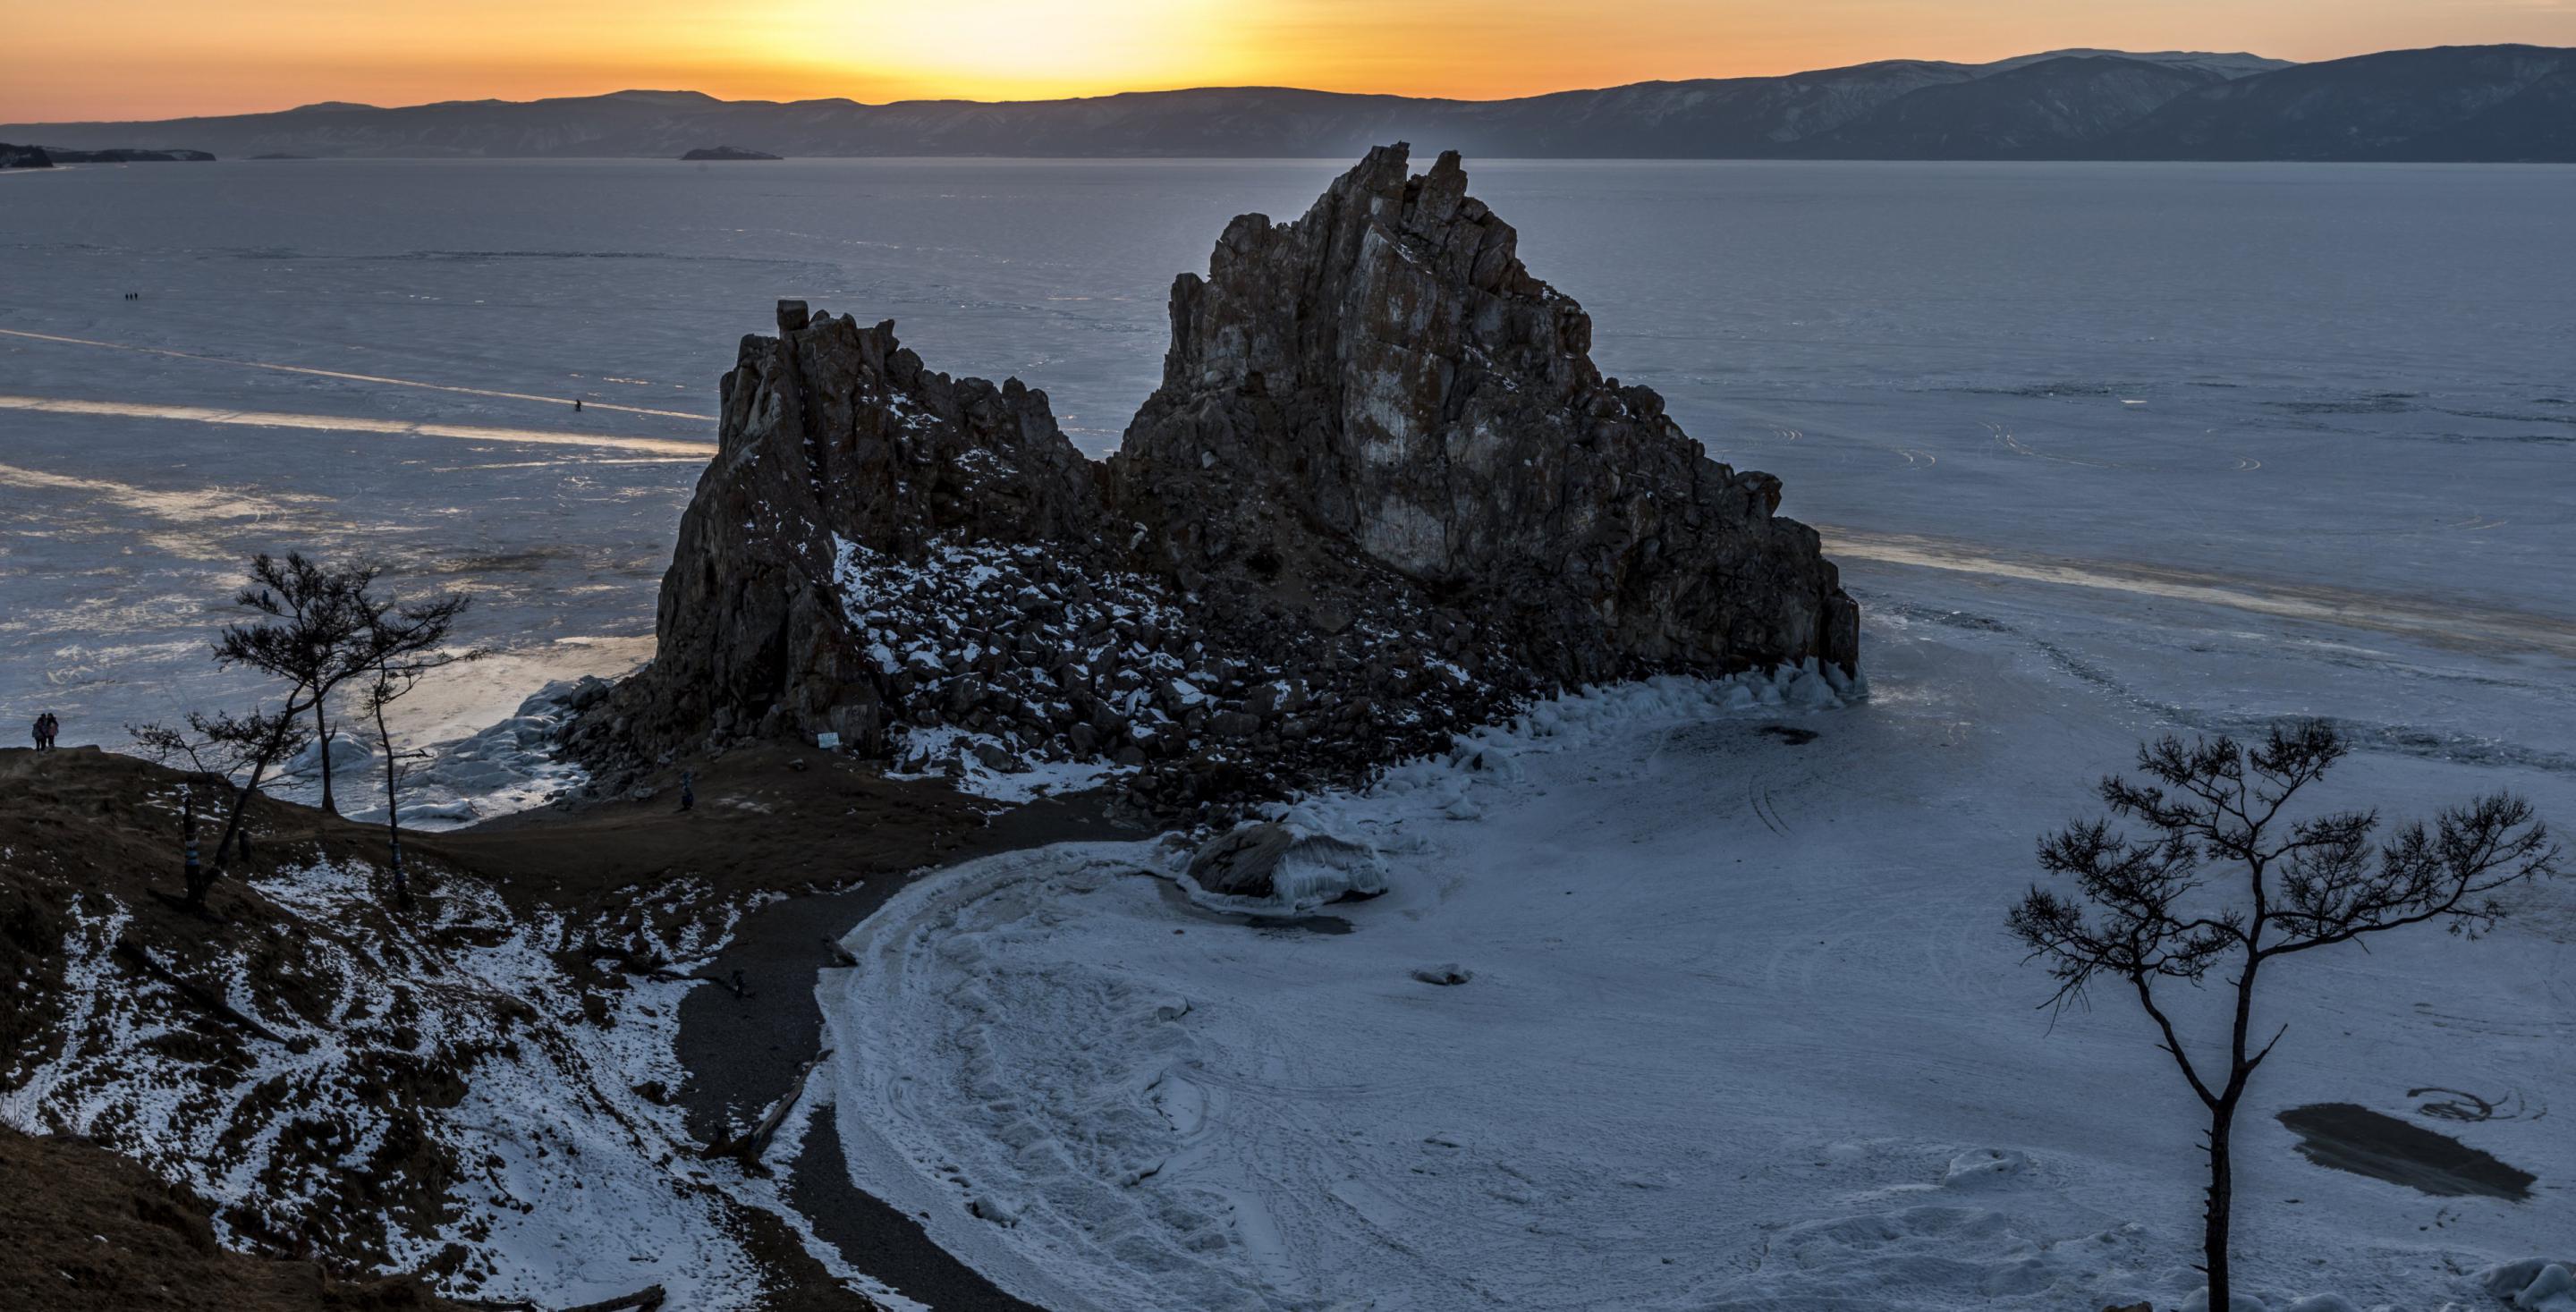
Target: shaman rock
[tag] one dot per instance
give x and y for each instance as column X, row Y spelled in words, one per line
column 1382, row 381
column 1382, row 495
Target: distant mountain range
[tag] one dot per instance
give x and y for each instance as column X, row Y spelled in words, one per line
column 2453, row 103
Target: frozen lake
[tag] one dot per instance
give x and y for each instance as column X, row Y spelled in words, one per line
column 2345, row 388
column 2105, row 451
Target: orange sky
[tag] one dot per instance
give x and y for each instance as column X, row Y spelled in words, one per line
column 165, row 58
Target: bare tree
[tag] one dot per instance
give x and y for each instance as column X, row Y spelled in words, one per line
column 404, row 643
column 317, row 630
column 237, row 751
column 314, row 616
column 2224, row 881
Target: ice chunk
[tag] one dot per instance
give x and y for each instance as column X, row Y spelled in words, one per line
column 2534, row 1284
column 1289, row 865
column 1984, row 1166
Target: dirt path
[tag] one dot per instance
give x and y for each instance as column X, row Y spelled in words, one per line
column 742, row 1053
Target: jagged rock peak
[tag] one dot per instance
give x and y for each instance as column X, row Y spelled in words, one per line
column 1381, row 495
column 1384, row 375
column 841, row 457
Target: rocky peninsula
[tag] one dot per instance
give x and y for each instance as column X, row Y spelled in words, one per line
column 1382, row 494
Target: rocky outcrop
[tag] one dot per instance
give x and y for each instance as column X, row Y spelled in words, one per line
column 1382, row 494
column 1382, row 387
column 835, row 564
column 24, row 157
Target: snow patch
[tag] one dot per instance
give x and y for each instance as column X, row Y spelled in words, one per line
column 984, row 766
column 572, row 1185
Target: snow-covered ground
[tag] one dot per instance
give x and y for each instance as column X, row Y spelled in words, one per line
column 571, row 1184
column 1743, row 1030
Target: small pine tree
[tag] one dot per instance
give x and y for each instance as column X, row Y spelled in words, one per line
column 2227, row 881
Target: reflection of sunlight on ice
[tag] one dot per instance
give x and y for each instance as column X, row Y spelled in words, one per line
column 2440, row 622
column 553, row 464
column 79, row 665
column 180, row 510
column 351, row 424
column 463, row 699
column 183, row 504
column 341, row 374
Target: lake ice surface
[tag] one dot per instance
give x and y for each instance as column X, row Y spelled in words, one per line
column 2105, row 450
column 2299, row 377
column 1741, row 1031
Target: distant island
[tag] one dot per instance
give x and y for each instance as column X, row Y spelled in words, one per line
column 2496, row 103
column 126, row 155
column 728, row 152
column 280, row 155
column 45, row 157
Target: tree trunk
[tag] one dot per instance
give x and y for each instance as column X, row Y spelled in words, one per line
column 393, row 811
column 2222, row 1193
column 322, row 735
column 234, row 831
column 193, row 870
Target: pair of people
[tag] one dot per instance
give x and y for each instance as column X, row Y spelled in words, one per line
column 48, row 728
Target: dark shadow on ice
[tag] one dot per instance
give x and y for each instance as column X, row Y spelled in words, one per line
column 2364, row 1142
column 1306, row 924
column 1790, row 734
column 1300, row 924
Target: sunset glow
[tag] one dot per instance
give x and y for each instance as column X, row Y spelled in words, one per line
column 163, row 58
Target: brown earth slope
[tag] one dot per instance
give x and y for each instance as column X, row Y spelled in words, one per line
column 89, row 1230
column 88, row 836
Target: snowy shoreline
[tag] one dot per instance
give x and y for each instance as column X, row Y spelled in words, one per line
column 1730, row 1038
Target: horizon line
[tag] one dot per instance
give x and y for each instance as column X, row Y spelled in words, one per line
column 2063, row 51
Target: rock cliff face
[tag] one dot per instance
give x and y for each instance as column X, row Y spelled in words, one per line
column 1382, row 385
column 847, row 474
column 1382, row 494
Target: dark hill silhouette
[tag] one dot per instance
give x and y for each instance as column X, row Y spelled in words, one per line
column 2452, row 103
column 2041, row 110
